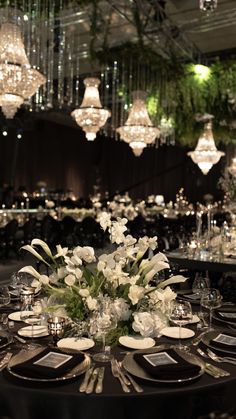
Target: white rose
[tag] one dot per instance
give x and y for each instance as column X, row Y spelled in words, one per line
column 135, row 293
column 61, row 272
column 69, row 280
column 144, row 324
column 91, row 303
column 78, row 273
column 87, row 254
column 84, row 292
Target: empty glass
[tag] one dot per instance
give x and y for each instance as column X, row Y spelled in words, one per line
column 181, row 314
column 211, row 299
column 102, row 323
column 200, row 283
column 5, row 297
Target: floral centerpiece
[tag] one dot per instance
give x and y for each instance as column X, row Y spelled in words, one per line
column 129, row 278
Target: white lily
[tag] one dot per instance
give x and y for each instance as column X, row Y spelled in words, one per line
column 43, row 245
column 175, row 279
column 30, row 270
column 34, row 253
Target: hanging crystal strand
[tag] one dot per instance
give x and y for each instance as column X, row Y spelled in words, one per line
column 43, row 22
column 76, row 99
column 60, row 67
column 70, row 69
column 114, row 98
column 49, row 52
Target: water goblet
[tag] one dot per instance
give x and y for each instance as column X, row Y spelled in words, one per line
column 180, row 314
column 56, row 327
column 5, row 296
column 211, row 299
column 103, row 323
column 200, row 283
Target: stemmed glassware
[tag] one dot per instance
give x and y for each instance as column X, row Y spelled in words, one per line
column 200, row 283
column 180, row 314
column 102, row 322
column 5, row 297
column 211, row 299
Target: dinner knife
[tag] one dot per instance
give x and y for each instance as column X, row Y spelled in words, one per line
column 91, row 383
column 5, row 360
column 86, row 379
column 99, row 386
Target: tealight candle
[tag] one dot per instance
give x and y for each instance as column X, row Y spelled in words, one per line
column 55, row 327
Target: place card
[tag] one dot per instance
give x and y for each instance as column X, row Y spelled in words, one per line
column 225, row 339
column 161, row 358
column 228, row 314
column 53, row 360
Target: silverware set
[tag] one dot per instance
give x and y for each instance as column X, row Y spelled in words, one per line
column 93, row 380
column 211, row 369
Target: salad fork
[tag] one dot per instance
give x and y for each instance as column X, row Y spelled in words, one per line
column 218, row 358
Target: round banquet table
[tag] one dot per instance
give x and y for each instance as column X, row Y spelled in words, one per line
column 20, row 399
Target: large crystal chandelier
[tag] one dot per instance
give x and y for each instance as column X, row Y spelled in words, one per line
column 208, row 5
column 206, row 154
column 91, row 116
column 138, row 130
column 18, row 81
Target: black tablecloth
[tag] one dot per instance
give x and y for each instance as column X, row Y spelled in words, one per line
column 26, row 400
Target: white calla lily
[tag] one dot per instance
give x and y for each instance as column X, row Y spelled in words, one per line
column 43, row 245
column 30, row 270
column 175, row 279
column 30, row 249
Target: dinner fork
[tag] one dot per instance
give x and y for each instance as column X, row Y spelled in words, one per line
column 212, row 369
column 218, row 358
column 135, row 385
column 116, row 373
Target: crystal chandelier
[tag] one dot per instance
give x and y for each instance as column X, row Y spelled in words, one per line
column 232, row 167
column 18, row 81
column 208, row 5
column 138, row 130
column 206, row 154
column 91, row 116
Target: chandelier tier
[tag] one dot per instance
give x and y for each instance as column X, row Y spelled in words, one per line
column 206, row 154
column 91, row 116
column 18, row 81
column 138, row 130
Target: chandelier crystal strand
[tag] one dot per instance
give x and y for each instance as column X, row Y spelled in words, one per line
column 91, row 116
column 206, row 154
column 138, row 130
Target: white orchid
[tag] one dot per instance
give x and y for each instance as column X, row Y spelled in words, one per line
column 135, row 293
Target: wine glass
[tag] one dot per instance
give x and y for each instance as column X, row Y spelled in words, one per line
column 5, row 296
column 200, row 284
column 30, row 314
column 211, row 299
column 180, row 314
column 102, row 323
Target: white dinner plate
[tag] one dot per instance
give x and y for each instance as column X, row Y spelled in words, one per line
column 16, row 316
column 195, row 319
column 173, row 332
column 136, row 342
column 80, row 344
column 38, row 331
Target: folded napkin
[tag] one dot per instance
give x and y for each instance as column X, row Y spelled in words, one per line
column 31, row 369
column 224, row 314
column 174, row 371
column 222, row 345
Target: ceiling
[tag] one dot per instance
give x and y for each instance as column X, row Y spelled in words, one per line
column 176, row 27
